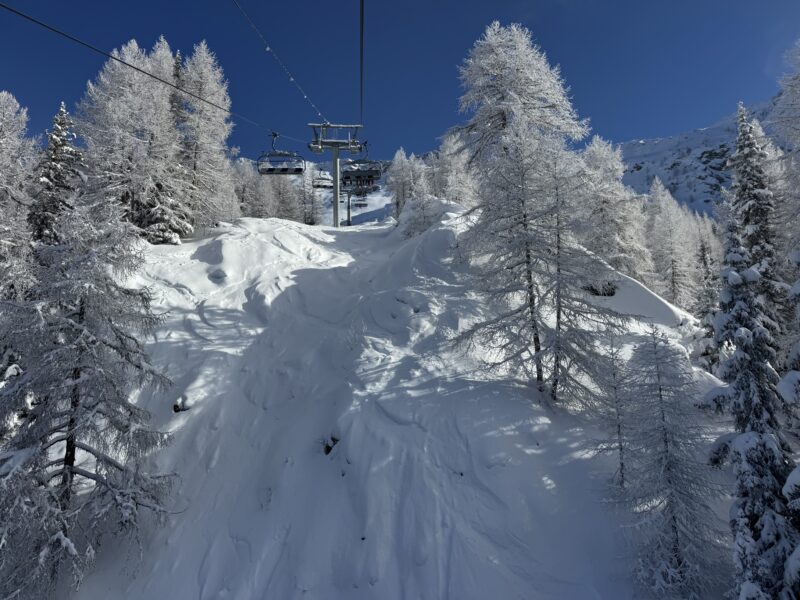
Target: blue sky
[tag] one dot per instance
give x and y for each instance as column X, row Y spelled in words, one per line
column 635, row 68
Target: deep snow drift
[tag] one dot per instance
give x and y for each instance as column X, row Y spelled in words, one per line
column 443, row 482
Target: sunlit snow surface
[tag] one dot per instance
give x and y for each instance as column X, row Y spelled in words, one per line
column 444, row 483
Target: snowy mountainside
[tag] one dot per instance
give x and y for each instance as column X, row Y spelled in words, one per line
column 691, row 165
column 335, row 447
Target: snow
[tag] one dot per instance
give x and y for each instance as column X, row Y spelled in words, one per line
column 443, row 484
column 692, row 165
column 788, row 386
column 633, row 298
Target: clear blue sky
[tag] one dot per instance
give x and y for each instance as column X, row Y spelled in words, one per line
column 637, row 68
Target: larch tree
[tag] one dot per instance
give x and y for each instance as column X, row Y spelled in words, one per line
column 206, row 131
column 72, row 441
column 522, row 230
column 707, row 286
column 671, row 236
column 17, row 156
column 57, row 179
column 614, row 221
column 133, row 144
column 670, row 490
column 450, row 176
column 407, row 178
column 612, row 408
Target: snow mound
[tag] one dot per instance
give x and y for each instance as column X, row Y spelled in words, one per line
column 335, row 448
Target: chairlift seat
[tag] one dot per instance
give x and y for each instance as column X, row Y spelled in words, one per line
column 279, row 162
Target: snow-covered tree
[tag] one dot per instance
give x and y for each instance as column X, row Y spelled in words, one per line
column 671, row 236
column 133, row 144
column 163, row 213
column 450, row 176
column 764, row 536
column 614, row 220
column 670, row 488
column 17, row 154
column 206, row 131
column 787, row 107
column 405, row 179
column 707, row 287
column 72, row 441
column 312, row 203
column 509, row 82
column 529, row 259
column 523, row 228
column 58, row 178
column 754, row 205
column 288, row 199
column 612, row 407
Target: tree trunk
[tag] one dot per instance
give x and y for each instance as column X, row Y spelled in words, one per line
column 558, row 307
column 531, row 292
column 69, row 445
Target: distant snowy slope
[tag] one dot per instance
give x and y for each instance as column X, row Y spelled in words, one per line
column 335, row 447
column 691, row 165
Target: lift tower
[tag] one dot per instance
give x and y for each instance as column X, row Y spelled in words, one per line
column 335, row 138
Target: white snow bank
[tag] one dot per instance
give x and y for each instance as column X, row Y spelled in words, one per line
column 441, row 483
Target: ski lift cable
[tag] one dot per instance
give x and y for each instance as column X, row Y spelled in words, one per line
column 361, row 57
column 270, row 50
column 97, row 50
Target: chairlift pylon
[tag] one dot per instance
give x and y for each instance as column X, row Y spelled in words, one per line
column 280, row 162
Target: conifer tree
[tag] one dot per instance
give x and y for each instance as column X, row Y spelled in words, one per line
column 671, row 235
column 206, row 132
column 763, row 534
column 755, row 207
column 131, row 126
column 612, row 407
column 524, row 228
column 17, row 155
column 707, row 288
column 677, row 544
column 71, row 440
column 614, row 224
column 58, row 179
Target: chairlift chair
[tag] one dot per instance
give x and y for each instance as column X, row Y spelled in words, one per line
column 323, row 180
column 280, row 162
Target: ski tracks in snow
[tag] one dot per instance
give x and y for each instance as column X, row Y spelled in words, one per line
column 336, row 448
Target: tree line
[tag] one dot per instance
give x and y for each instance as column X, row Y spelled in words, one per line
column 549, row 228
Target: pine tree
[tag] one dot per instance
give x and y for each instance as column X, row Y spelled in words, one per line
column 72, row 441
column 763, row 535
column 58, row 179
column 677, row 544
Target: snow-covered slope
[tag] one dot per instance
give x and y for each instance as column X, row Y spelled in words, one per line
column 335, row 447
column 691, row 165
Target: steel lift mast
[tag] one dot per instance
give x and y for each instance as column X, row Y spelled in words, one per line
column 328, row 136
